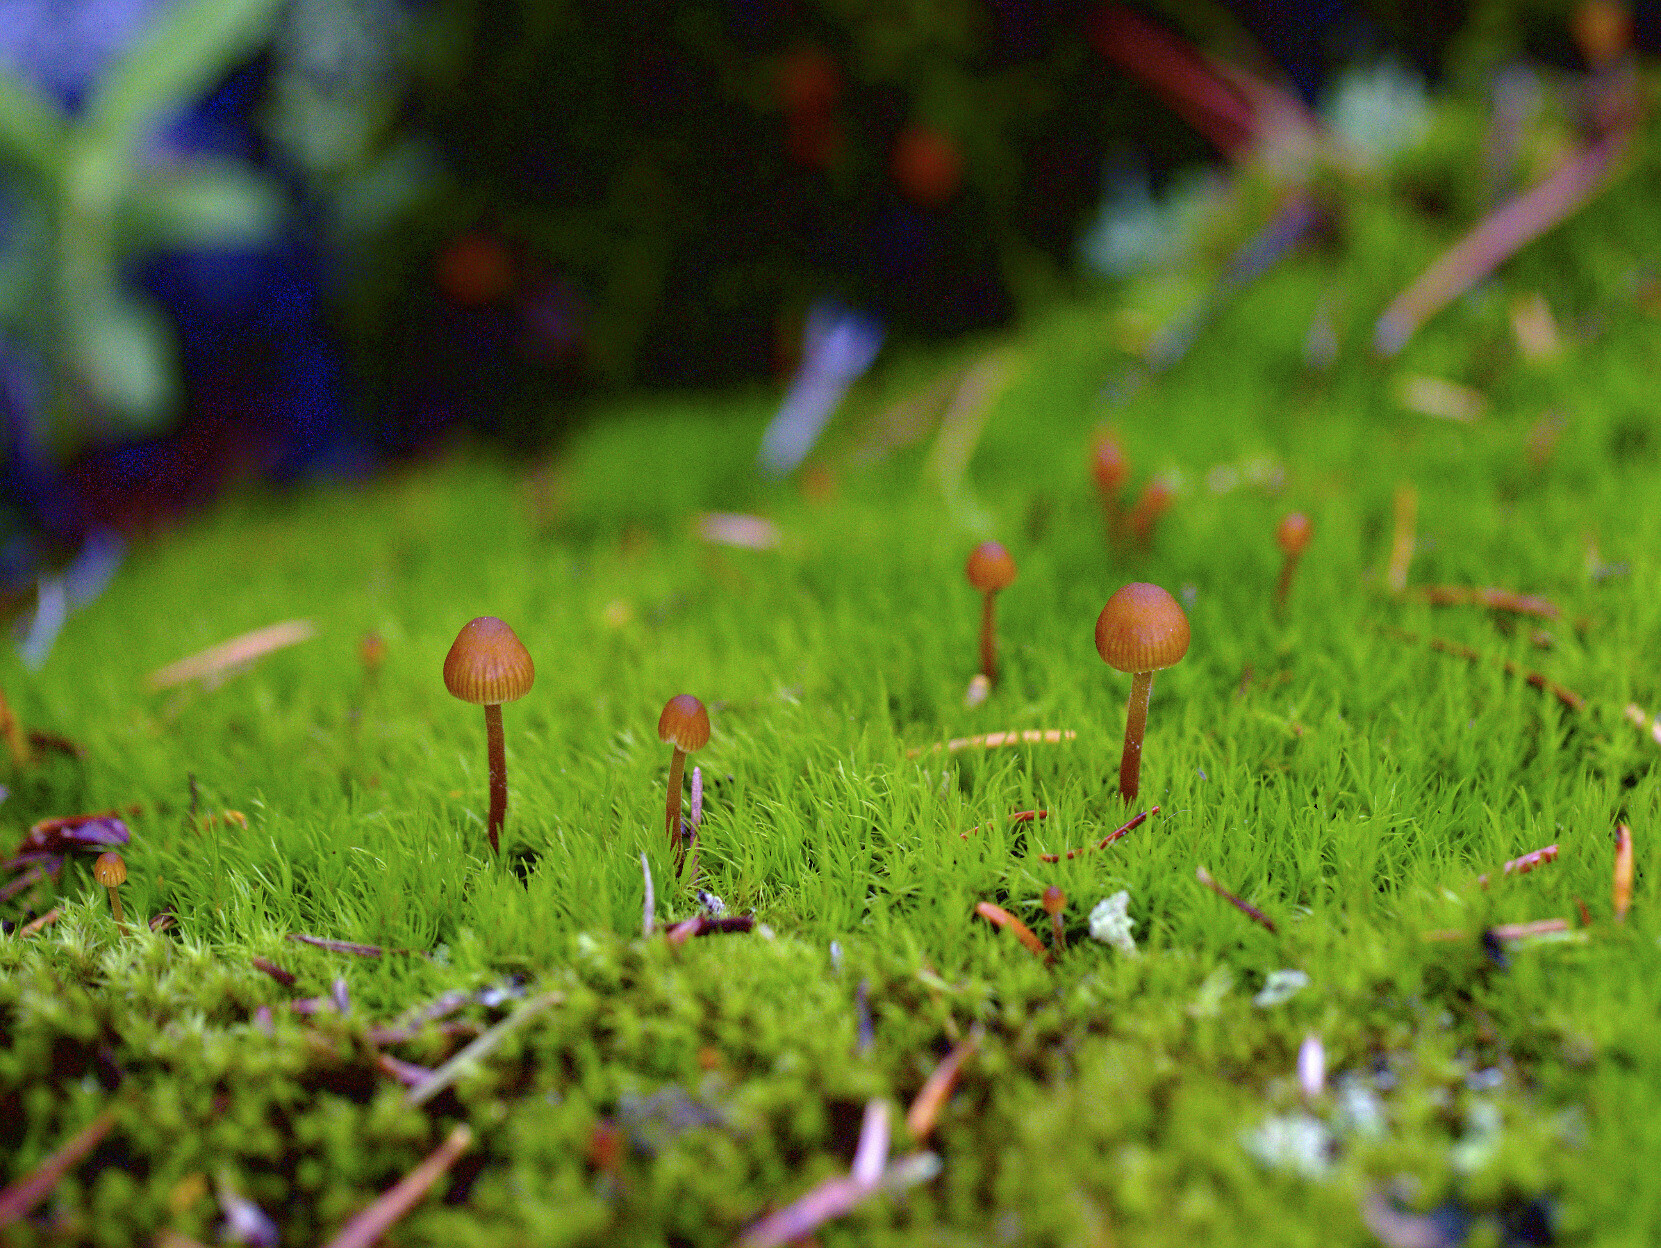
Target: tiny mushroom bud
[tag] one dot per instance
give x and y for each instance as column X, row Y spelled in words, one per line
column 1291, row 536
column 1141, row 630
column 372, row 651
column 990, row 568
column 488, row 666
column 684, row 724
column 1055, row 901
column 110, row 871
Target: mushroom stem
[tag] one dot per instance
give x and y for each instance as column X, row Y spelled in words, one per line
column 498, row 772
column 988, row 639
column 17, row 741
column 1288, row 570
column 115, row 906
column 1136, row 721
column 672, row 812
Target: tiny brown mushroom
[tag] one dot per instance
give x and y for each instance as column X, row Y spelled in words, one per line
column 1110, row 468
column 1291, row 536
column 110, row 871
column 488, row 666
column 1055, row 901
column 684, row 724
column 990, row 569
column 1141, row 630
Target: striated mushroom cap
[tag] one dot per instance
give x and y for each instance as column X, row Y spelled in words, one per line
column 488, row 664
column 1141, row 629
column 684, row 723
column 109, row 869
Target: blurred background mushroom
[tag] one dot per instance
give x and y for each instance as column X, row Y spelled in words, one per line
column 312, row 236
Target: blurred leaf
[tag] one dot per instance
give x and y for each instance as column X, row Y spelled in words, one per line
column 191, row 45
column 23, row 261
column 124, row 353
column 31, row 127
column 205, row 204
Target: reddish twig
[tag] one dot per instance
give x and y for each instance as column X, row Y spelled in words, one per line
column 34, row 925
column 1498, row 236
column 1525, row 864
column 25, row 1194
column 1136, row 822
column 285, row 978
column 57, row 744
column 707, row 925
column 1623, row 872
column 925, row 1109
column 369, row 1225
column 1494, row 599
column 1019, row 817
column 1000, row 917
column 1245, row 907
column 1502, row 931
column 990, row 740
column 1568, row 697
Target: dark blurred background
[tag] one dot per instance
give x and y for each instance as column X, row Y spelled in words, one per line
column 269, row 239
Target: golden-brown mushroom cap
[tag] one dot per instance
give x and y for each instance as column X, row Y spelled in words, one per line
column 488, row 664
column 990, row 567
column 1293, row 533
column 684, row 723
column 109, row 870
column 1141, row 629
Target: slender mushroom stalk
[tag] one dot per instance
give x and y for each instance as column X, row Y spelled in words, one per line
column 488, row 666
column 990, row 569
column 1291, row 536
column 1055, row 901
column 1140, row 631
column 110, row 871
column 684, row 724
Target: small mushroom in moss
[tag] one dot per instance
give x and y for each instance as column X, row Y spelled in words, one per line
column 684, row 724
column 990, row 568
column 1109, row 467
column 488, row 665
column 1141, row 630
column 1055, row 901
column 1292, row 535
column 110, row 871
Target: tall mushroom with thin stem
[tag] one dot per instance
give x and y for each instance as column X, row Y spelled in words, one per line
column 1291, row 536
column 488, row 666
column 1141, row 630
column 990, row 568
column 684, row 724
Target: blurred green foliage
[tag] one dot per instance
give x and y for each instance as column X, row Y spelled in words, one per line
column 88, row 197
